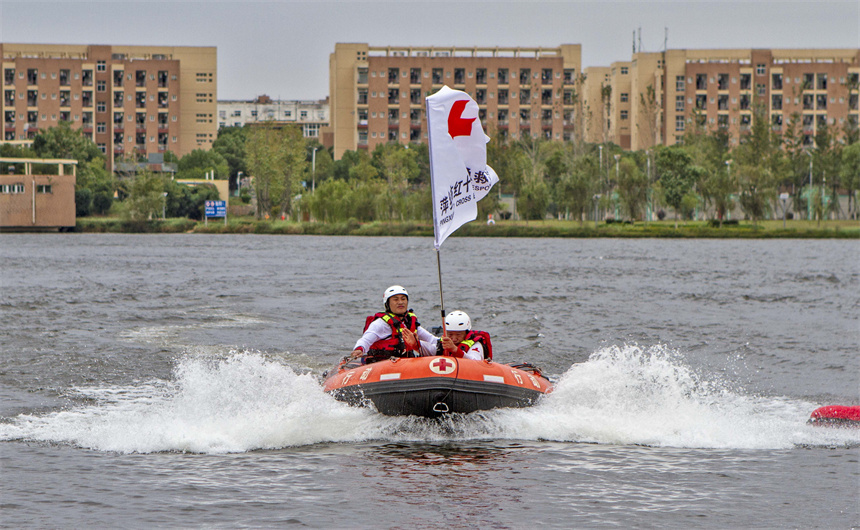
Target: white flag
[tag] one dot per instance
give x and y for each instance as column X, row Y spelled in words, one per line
column 459, row 174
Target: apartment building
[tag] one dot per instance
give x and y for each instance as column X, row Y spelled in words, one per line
column 131, row 100
column 655, row 96
column 377, row 93
column 312, row 116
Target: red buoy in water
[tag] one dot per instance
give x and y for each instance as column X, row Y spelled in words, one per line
column 837, row 415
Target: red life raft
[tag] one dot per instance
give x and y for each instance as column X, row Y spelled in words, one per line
column 837, row 415
column 433, row 386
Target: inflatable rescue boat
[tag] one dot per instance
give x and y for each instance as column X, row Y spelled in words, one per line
column 836, row 415
column 433, row 386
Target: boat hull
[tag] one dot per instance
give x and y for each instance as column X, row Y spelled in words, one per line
column 434, row 386
column 836, row 416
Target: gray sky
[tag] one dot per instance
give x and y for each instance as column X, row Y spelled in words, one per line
column 281, row 47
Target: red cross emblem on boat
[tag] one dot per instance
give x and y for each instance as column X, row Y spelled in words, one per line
column 443, row 366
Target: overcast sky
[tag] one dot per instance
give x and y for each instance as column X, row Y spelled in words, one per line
column 281, row 47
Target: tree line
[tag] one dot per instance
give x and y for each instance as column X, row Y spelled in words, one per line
column 289, row 176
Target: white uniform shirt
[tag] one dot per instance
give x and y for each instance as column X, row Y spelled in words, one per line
column 381, row 330
column 476, row 352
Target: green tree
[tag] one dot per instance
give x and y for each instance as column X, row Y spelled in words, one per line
column 632, row 188
column 849, row 173
column 230, row 144
column 91, row 175
column 276, row 159
column 64, row 142
column 575, row 190
column 322, row 165
column 759, row 160
column 145, row 196
column 533, row 200
column 828, row 154
column 198, row 162
column 718, row 188
column 676, row 178
column 397, row 165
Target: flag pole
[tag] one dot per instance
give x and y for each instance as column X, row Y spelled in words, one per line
column 441, row 299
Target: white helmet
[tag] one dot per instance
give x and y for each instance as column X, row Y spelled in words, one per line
column 391, row 291
column 458, row 321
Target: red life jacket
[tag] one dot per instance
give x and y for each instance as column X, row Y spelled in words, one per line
column 393, row 346
column 472, row 337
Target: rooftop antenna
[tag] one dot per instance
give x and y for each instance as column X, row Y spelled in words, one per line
column 634, row 41
column 640, row 39
column 665, row 38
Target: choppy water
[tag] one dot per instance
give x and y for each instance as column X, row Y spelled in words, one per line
column 172, row 380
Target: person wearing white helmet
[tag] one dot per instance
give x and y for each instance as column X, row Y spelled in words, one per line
column 395, row 332
column 462, row 341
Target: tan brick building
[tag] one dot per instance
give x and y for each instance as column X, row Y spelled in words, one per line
column 377, row 93
column 721, row 86
column 128, row 99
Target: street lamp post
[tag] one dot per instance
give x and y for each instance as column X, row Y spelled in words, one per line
column 596, row 198
column 164, row 207
column 728, row 174
column 238, row 182
column 649, row 208
column 784, row 198
column 809, row 201
column 600, row 161
column 314, row 170
column 617, row 158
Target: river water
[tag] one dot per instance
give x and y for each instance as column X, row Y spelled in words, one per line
column 173, row 380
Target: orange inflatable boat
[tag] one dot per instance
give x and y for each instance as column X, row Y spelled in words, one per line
column 433, row 386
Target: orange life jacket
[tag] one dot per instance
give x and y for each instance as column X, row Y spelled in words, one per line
column 393, row 346
column 472, row 337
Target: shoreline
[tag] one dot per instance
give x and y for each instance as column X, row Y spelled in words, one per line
column 841, row 229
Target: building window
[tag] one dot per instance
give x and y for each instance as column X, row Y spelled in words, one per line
column 623, row 114
column 101, row 66
column 43, row 188
column 760, row 69
column 679, row 103
column 679, row 123
column 101, row 86
column 623, row 70
column 624, row 97
column 821, row 82
column 776, row 81
column 777, row 121
column 746, row 80
column 679, row 83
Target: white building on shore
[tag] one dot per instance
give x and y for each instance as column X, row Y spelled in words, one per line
column 311, row 115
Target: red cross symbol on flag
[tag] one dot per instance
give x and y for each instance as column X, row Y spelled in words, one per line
column 443, row 366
